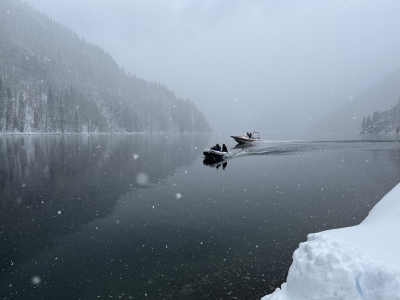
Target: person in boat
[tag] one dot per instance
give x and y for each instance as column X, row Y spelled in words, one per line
column 216, row 147
column 224, row 149
column 250, row 135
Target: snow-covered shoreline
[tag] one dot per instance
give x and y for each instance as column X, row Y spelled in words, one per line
column 358, row 262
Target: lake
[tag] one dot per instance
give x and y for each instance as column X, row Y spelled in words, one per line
column 142, row 216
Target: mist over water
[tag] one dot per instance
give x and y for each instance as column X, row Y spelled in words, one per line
column 277, row 65
column 137, row 212
column 141, row 216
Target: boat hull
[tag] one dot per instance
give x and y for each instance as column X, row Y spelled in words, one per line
column 245, row 139
column 215, row 155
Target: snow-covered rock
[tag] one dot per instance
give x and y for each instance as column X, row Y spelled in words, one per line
column 359, row 262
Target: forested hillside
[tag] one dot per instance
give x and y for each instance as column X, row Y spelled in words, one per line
column 52, row 80
column 387, row 121
column 347, row 118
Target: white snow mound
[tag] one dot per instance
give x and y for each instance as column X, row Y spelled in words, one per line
column 359, row 262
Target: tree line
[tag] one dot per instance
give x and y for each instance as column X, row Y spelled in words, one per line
column 53, row 81
column 71, row 111
column 382, row 122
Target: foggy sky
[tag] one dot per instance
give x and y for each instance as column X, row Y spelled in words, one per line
column 247, row 65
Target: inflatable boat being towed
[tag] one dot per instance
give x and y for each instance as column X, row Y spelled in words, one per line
column 214, row 154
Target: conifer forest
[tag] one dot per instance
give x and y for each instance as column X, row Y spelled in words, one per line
column 53, row 81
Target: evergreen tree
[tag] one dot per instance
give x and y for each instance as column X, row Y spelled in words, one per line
column 75, row 123
column 69, row 108
column 9, row 109
column 364, row 125
column 15, row 120
column 2, row 103
column 397, row 113
column 61, row 114
column 393, row 115
column 368, row 122
column 21, row 113
column 36, row 118
column 375, row 117
column 50, row 114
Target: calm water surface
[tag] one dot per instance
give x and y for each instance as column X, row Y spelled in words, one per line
column 142, row 217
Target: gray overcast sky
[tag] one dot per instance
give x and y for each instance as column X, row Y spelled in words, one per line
column 245, row 62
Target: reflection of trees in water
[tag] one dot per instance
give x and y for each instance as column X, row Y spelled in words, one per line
column 52, row 185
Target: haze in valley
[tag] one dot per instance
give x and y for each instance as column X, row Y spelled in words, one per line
column 271, row 66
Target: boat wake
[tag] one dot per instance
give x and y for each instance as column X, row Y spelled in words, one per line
column 293, row 147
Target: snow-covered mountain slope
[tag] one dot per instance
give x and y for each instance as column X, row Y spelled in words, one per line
column 348, row 117
column 70, row 85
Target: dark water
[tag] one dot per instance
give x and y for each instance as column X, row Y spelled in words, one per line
column 141, row 217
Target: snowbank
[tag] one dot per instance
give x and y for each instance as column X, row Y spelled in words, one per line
column 359, row 262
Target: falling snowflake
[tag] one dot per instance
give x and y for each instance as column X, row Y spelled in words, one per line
column 36, row 280
column 142, row 179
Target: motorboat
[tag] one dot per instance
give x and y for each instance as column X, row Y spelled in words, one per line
column 216, row 155
column 255, row 137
